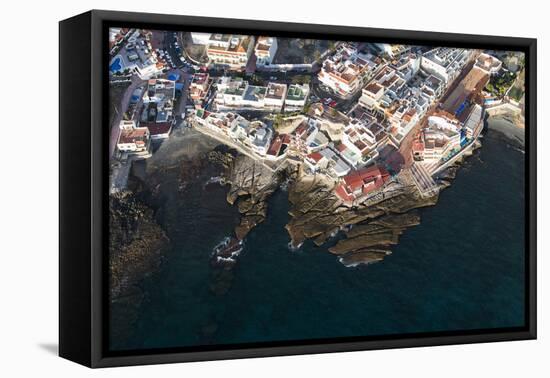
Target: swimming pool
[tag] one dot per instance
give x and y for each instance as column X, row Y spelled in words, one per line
column 116, row 65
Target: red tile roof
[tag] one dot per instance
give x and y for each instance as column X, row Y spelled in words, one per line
column 315, row 156
column 341, row 192
column 158, row 128
column 367, row 179
column 275, row 146
column 341, row 147
column 137, row 136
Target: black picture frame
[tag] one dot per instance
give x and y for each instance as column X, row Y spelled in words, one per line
column 83, row 180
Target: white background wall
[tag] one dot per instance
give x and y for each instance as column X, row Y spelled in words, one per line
column 29, row 190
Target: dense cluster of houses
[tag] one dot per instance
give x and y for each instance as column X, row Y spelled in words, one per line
column 234, row 51
column 395, row 96
column 150, row 116
column 395, row 89
column 402, row 97
column 445, row 136
column 237, row 94
column 347, row 70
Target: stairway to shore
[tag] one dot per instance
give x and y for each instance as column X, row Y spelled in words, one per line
column 423, row 180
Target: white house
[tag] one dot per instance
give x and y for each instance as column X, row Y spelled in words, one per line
column 134, row 140
column 445, row 62
column 296, row 96
column 200, row 38
column 265, row 50
column 275, row 95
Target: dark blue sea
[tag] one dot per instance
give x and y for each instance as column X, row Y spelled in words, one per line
column 462, row 268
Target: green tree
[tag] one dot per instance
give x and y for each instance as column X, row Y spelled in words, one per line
column 316, row 55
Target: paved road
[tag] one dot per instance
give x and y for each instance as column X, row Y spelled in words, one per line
column 186, row 78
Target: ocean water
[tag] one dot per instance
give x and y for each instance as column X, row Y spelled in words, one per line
column 461, row 268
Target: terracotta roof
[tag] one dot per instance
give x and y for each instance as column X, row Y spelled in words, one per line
column 358, row 178
column 158, row 128
column 138, row 136
column 341, row 192
column 315, row 156
column 373, row 88
column 275, row 146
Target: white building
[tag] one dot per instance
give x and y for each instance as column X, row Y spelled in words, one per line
column 488, row 63
column 393, row 50
column 296, row 96
column 382, row 91
column 433, row 86
column 265, row 50
column 237, row 93
column 254, row 97
column 137, row 57
column 445, row 62
column 371, row 95
column 358, row 138
column 230, row 50
column 260, row 137
column 134, row 140
column 127, row 124
column 201, row 38
column 474, row 122
column 402, row 121
column 230, row 91
column 160, row 90
column 441, row 137
column 407, row 66
column 328, row 161
column 240, row 129
column 346, row 71
column 275, row 95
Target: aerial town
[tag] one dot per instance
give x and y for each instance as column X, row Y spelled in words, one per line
column 362, row 116
column 253, row 173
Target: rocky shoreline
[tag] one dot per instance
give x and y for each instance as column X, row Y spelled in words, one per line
column 508, row 126
column 136, row 245
column 250, row 186
column 367, row 230
column 361, row 234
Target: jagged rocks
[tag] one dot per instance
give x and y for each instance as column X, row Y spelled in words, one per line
column 136, row 242
column 364, row 256
column 369, row 229
column 136, row 246
column 251, row 184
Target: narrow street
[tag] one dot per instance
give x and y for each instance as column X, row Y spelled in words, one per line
column 125, row 101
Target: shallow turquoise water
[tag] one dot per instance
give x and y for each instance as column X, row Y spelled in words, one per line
column 461, row 268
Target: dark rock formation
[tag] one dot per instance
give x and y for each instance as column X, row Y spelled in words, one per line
column 251, row 184
column 136, row 246
column 369, row 229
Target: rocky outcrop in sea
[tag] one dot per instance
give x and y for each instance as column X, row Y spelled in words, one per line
column 366, row 231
